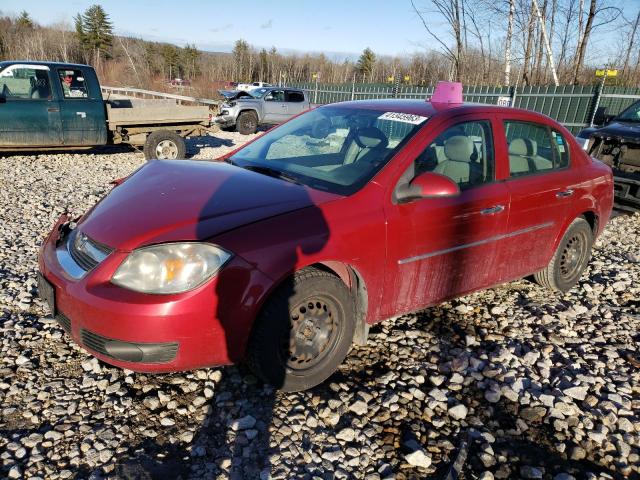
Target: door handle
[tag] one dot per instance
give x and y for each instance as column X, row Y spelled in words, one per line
column 53, row 109
column 492, row 210
column 565, row 193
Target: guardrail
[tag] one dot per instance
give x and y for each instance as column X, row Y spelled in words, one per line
column 140, row 93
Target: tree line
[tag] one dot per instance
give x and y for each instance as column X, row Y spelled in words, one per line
column 490, row 42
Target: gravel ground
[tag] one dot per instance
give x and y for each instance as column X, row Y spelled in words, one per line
column 507, row 383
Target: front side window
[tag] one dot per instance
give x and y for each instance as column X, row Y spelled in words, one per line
column 463, row 152
column 28, row 82
column 275, row 96
column 534, row 148
column 333, row 148
column 73, row 83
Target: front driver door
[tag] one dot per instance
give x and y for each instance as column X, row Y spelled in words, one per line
column 439, row 248
column 29, row 113
column 275, row 107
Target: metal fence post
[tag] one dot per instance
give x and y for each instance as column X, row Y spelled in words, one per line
column 513, row 96
column 596, row 102
column 315, row 93
column 353, row 87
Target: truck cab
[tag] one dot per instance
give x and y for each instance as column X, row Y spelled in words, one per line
column 46, row 104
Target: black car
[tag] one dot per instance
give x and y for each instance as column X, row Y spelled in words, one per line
column 617, row 143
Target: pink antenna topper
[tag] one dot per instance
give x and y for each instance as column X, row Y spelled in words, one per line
column 447, row 92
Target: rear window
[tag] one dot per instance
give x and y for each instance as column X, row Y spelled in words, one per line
column 295, row 96
column 534, row 148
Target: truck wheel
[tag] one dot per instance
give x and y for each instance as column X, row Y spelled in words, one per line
column 247, row 123
column 164, row 145
column 571, row 258
column 304, row 331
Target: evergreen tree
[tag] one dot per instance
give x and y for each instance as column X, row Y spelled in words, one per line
column 190, row 56
column 94, row 31
column 241, row 59
column 366, row 62
column 24, row 20
column 171, row 59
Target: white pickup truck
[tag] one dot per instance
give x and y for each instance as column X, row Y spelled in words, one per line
column 247, row 87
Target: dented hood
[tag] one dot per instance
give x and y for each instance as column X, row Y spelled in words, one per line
column 628, row 130
column 190, row 200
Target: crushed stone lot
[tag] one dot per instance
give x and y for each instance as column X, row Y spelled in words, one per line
column 513, row 382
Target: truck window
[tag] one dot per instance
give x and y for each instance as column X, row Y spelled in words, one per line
column 25, row 82
column 295, row 96
column 73, row 83
column 275, row 96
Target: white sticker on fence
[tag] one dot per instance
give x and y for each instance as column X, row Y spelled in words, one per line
column 403, row 117
column 504, row 101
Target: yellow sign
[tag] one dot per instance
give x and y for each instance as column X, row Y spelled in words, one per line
column 407, row 78
column 606, row 73
column 314, row 76
column 389, row 79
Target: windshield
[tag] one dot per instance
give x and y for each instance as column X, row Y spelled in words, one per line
column 334, row 148
column 631, row 114
column 258, row 92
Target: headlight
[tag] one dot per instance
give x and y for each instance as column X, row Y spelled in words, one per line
column 170, row 267
column 229, row 104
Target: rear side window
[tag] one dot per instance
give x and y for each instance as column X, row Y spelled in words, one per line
column 534, row 148
column 25, row 83
column 295, row 96
column 73, row 83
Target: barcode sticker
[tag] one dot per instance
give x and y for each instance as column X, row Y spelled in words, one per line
column 403, row 117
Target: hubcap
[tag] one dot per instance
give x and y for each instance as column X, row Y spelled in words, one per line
column 572, row 256
column 314, row 328
column 166, row 149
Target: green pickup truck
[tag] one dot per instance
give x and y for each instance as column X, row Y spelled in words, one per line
column 55, row 106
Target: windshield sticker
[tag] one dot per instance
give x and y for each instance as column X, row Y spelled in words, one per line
column 403, row 117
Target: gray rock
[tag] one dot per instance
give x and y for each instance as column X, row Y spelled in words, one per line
column 418, row 459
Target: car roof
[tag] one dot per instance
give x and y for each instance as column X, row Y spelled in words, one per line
column 47, row 63
column 429, row 109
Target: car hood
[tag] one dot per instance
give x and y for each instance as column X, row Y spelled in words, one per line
column 234, row 94
column 620, row 129
column 181, row 200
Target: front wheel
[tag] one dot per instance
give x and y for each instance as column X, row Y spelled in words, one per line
column 304, row 331
column 570, row 259
column 164, row 145
column 247, row 123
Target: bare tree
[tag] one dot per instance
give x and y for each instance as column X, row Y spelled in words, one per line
column 450, row 11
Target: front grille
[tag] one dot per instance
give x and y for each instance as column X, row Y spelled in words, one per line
column 64, row 322
column 80, row 255
column 129, row 351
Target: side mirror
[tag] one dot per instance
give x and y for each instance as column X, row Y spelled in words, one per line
column 3, row 99
column 427, row 185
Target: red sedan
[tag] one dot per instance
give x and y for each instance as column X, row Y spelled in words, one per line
column 284, row 253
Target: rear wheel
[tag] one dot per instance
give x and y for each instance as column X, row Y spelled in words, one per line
column 164, row 145
column 304, row 331
column 570, row 259
column 247, row 123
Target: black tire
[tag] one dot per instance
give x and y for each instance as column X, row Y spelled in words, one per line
column 311, row 313
column 164, row 145
column 230, row 128
column 247, row 123
column 570, row 259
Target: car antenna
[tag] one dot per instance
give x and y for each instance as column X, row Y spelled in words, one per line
column 447, row 92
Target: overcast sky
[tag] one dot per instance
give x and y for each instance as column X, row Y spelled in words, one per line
column 389, row 27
